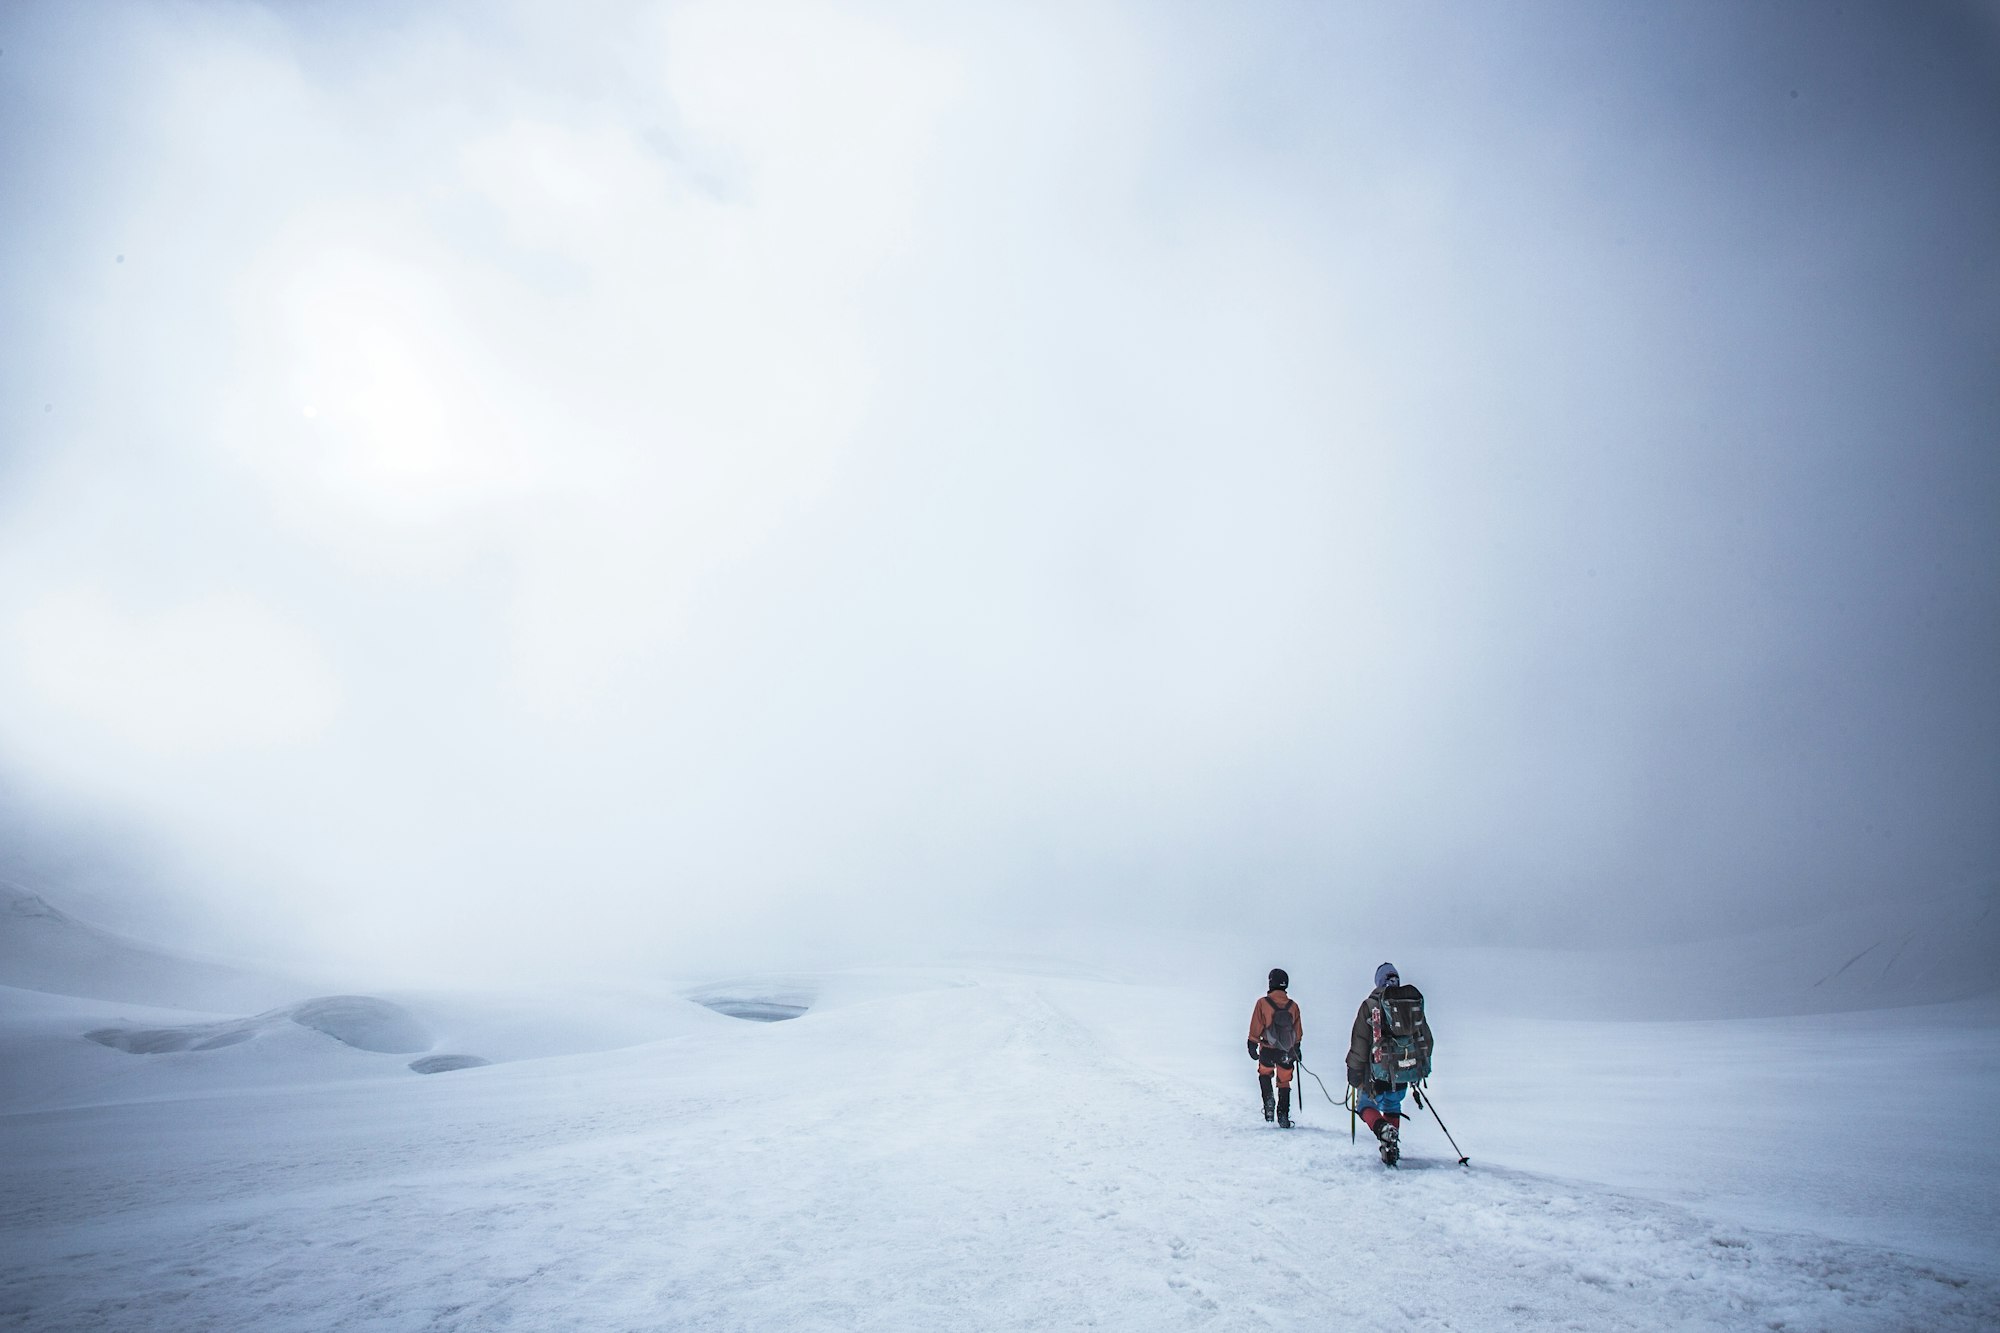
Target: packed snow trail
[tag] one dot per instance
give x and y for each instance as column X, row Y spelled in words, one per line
column 999, row 1153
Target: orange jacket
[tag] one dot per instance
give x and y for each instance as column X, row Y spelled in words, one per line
column 1260, row 1017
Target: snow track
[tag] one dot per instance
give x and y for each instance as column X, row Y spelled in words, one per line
column 1047, row 1155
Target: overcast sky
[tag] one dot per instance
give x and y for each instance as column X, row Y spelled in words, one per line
column 616, row 481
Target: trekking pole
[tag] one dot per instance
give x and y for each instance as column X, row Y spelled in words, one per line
column 1431, row 1106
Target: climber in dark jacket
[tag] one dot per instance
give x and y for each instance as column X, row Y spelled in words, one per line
column 1381, row 1103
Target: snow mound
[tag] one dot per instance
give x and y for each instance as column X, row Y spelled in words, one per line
column 188, row 1037
column 363, row 1022
column 360, row 1021
column 51, row 1065
column 45, row 949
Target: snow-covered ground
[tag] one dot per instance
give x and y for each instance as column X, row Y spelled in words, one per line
column 988, row 1145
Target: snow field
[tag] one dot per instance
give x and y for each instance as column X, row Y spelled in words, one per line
column 980, row 1151
column 1787, row 1123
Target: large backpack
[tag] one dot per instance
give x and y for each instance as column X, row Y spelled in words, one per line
column 1402, row 1039
column 1282, row 1032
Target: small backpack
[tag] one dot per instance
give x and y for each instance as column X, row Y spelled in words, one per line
column 1282, row 1032
column 1402, row 1038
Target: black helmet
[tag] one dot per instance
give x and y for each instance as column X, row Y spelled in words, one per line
column 1278, row 979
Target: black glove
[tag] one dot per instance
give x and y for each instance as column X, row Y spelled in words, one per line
column 1253, row 1048
column 1353, row 1077
column 1378, row 1088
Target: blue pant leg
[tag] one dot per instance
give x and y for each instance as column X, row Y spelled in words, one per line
column 1388, row 1103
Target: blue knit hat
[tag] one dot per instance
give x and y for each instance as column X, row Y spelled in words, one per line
column 1385, row 975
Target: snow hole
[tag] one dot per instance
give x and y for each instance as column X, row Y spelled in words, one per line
column 754, row 1002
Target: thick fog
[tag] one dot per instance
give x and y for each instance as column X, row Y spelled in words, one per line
column 619, row 484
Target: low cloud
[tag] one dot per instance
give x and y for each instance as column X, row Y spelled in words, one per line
column 653, row 481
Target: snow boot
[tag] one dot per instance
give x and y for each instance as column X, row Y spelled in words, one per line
column 1284, row 1108
column 1391, row 1136
column 1264, row 1086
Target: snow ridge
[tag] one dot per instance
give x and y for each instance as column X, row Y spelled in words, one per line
column 360, row 1021
column 44, row 948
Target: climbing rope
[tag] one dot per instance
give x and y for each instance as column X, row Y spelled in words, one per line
column 1322, row 1087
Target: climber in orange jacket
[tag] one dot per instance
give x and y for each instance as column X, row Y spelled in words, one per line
column 1275, row 1034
